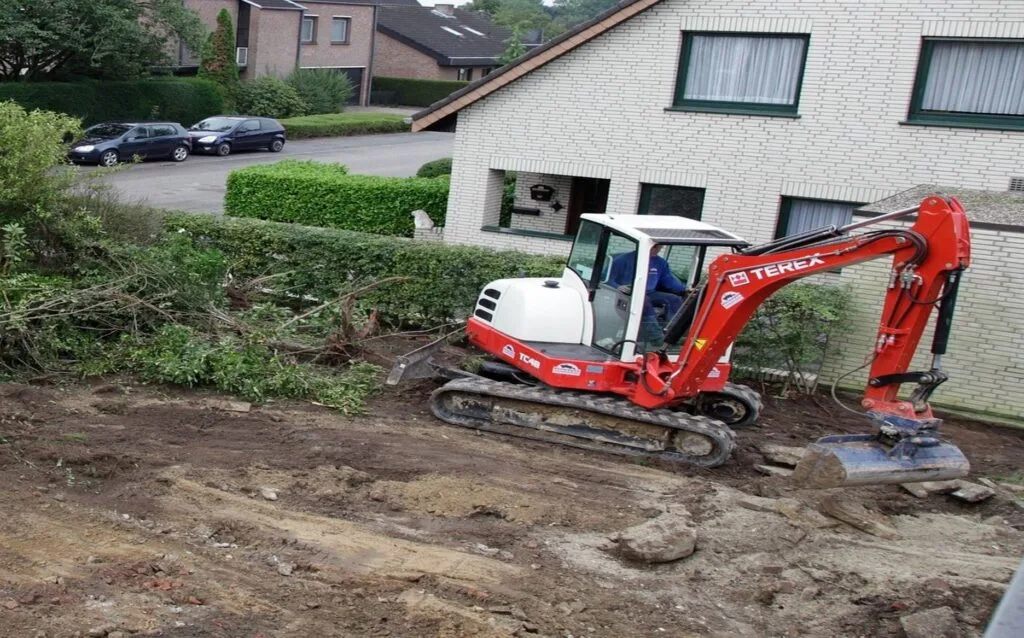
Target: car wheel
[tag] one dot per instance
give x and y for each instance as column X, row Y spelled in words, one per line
column 223, row 149
column 109, row 158
column 276, row 146
column 179, row 154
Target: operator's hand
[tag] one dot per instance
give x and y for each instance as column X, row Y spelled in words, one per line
column 625, row 289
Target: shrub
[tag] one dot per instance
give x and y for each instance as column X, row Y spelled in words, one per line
column 792, row 331
column 323, row 90
column 269, row 96
column 444, row 280
column 325, row 195
column 412, row 92
column 342, row 124
column 219, row 63
column 184, row 100
column 31, row 145
column 436, row 168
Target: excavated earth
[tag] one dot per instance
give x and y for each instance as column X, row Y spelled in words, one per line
column 132, row 510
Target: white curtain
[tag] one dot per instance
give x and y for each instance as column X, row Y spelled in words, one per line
column 808, row 214
column 976, row 77
column 744, row 69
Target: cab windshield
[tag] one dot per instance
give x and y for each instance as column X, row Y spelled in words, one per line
column 215, row 124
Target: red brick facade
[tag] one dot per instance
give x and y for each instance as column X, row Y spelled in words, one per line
column 396, row 59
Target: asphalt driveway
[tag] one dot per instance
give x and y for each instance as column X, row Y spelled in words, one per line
column 198, row 183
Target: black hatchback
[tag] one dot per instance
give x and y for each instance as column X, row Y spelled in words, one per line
column 223, row 134
column 108, row 143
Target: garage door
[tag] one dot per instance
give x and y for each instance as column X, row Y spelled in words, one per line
column 356, row 76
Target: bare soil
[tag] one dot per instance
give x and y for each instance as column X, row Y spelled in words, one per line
column 145, row 511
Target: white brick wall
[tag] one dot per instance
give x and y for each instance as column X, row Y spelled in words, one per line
column 599, row 111
column 549, row 220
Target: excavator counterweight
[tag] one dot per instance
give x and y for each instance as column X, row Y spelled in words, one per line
column 592, row 360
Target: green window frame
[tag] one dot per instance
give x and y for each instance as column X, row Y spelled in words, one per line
column 786, row 210
column 681, row 103
column 649, row 191
column 919, row 115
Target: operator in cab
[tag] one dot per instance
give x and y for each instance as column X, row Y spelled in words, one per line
column 663, row 288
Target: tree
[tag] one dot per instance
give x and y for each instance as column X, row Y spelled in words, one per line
column 569, row 13
column 219, row 63
column 514, row 50
column 522, row 15
column 97, row 38
column 490, row 7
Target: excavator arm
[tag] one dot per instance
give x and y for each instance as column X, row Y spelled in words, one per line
column 928, row 259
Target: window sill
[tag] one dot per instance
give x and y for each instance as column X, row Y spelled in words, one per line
column 340, row 43
column 732, row 110
column 526, row 233
column 957, row 123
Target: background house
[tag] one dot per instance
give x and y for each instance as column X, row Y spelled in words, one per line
column 277, row 36
column 437, row 43
column 765, row 118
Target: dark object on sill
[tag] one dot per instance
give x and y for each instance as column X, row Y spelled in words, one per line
column 516, row 210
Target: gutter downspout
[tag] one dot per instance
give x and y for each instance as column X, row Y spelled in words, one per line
column 373, row 53
column 298, row 40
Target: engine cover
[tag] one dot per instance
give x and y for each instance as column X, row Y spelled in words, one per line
column 532, row 309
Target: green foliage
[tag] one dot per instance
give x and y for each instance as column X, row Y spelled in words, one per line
column 343, row 124
column 410, row 92
column 508, row 199
column 184, row 100
column 436, row 168
column 444, row 280
column 322, row 90
column 219, row 63
column 31, row 146
column 515, row 49
column 325, row 195
column 269, row 96
column 792, row 331
column 96, row 38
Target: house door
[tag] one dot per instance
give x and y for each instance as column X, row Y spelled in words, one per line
column 356, row 77
column 588, row 195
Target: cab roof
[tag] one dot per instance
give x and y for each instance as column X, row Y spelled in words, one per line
column 668, row 229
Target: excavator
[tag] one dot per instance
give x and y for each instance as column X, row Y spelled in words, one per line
column 579, row 361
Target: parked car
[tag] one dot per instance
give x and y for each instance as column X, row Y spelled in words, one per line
column 108, row 143
column 225, row 134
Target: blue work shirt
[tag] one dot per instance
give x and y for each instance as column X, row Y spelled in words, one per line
column 659, row 274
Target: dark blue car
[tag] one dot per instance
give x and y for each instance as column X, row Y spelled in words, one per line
column 225, row 134
column 108, row 143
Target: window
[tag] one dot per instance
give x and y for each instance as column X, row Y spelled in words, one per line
column 465, row 74
column 749, row 73
column 308, row 30
column 249, row 125
column 339, row 30
column 800, row 215
column 656, row 199
column 163, row 131
column 970, row 83
column 139, row 133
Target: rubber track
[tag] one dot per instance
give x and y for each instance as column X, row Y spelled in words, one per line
column 716, row 432
column 747, row 395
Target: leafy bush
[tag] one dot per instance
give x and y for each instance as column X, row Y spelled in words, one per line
column 269, row 96
column 184, row 100
column 410, row 92
column 219, row 62
column 436, row 168
column 343, row 124
column 792, row 331
column 323, row 90
column 30, row 147
column 325, row 195
column 443, row 280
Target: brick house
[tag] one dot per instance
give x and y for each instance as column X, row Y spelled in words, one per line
column 766, row 117
column 437, row 43
column 277, row 36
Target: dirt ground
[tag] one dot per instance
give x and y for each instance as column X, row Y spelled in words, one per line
column 145, row 511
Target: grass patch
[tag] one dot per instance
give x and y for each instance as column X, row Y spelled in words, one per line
column 343, row 124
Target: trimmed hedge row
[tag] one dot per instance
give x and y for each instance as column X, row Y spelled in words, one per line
column 343, row 124
column 444, row 280
column 436, row 168
column 306, row 192
column 183, row 100
column 410, row 92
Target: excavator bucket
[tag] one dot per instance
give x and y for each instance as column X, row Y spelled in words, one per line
column 419, row 364
column 866, row 459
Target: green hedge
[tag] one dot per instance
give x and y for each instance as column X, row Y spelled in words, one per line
column 444, row 280
column 437, row 168
column 306, row 192
column 409, row 92
column 183, row 100
column 340, row 124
